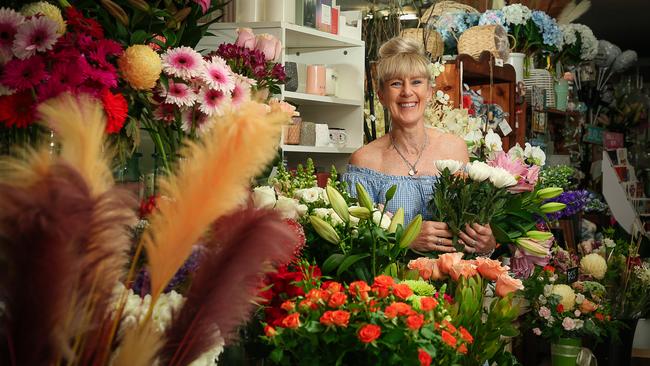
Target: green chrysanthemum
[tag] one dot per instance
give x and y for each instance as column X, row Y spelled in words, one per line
column 420, row 288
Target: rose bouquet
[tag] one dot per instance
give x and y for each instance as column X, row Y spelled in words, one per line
column 488, row 319
column 383, row 323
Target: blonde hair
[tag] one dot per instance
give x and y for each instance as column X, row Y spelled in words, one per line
column 401, row 57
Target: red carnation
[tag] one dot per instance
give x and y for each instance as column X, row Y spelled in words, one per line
column 116, row 109
column 17, row 110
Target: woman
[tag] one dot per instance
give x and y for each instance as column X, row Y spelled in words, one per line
column 406, row 155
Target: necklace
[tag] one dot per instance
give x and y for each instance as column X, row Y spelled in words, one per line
column 412, row 171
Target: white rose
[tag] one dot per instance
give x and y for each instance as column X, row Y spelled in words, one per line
column 479, row 171
column 385, row 219
column 535, row 154
column 609, row 243
column 322, row 213
column 301, row 209
column 287, row 207
column 580, row 298
column 548, row 290
column 452, row 165
column 308, row 195
column 579, row 323
column 569, row 323
column 501, row 178
column 493, row 142
column 264, row 197
column 517, row 152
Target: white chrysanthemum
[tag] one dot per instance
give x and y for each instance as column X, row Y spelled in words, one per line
column 567, row 296
column 479, row 171
column 501, row 178
column 594, row 265
column 452, row 165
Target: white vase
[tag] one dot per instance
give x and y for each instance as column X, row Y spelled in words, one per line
column 516, row 59
column 249, row 11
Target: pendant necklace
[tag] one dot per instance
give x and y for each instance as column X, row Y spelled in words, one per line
column 412, row 171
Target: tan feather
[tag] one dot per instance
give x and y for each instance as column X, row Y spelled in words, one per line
column 572, row 11
column 79, row 123
column 211, row 181
column 139, row 346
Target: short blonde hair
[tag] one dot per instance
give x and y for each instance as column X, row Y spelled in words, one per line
column 401, row 57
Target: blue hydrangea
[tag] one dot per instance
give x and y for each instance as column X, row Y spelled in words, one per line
column 491, row 17
column 452, row 25
column 549, row 29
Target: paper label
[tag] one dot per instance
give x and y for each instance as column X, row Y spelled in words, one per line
column 326, row 14
column 505, row 127
column 572, row 274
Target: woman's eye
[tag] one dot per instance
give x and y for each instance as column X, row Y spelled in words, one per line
column 417, row 82
column 396, row 84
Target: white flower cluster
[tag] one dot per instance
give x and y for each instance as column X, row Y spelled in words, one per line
column 479, row 171
column 588, row 42
column 291, row 208
column 531, row 154
column 642, row 272
column 516, row 14
column 593, row 264
column 435, row 69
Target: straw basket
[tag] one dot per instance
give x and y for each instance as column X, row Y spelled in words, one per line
column 492, row 38
column 431, row 40
column 442, row 7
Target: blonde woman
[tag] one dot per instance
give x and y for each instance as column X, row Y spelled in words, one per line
column 406, row 155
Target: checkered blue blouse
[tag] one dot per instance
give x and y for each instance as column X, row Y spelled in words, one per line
column 413, row 193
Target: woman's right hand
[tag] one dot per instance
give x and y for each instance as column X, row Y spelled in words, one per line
column 434, row 236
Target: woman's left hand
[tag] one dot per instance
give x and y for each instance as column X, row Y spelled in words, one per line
column 478, row 238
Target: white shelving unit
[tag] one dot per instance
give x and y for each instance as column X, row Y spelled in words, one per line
column 306, row 46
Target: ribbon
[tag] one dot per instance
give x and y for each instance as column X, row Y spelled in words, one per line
column 584, row 356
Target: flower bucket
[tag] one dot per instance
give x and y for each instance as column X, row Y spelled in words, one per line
column 516, row 59
column 565, row 351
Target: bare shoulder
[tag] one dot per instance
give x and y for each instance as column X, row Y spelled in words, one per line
column 452, row 146
column 370, row 155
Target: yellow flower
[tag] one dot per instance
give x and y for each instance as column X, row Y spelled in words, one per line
column 567, row 294
column 140, row 66
column 46, row 9
column 594, row 265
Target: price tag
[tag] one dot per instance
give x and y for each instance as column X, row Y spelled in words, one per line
column 504, row 126
column 572, row 274
column 498, row 62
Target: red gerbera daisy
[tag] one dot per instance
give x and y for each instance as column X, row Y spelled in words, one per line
column 17, row 110
column 77, row 21
column 116, row 109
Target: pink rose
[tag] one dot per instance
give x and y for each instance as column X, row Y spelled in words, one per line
column 507, row 284
column 269, row 46
column 463, row 269
column 544, row 312
column 447, row 261
column 537, row 331
column 568, row 323
column 489, row 268
column 245, row 38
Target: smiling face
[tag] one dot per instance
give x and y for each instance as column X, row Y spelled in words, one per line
column 406, row 97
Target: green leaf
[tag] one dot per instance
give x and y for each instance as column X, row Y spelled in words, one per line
column 139, row 37
column 164, row 81
column 427, row 333
column 313, row 327
column 350, row 260
column 276, row 355
column 170, row 36
column 390, row 193
column 332, row 262
column 394, row 336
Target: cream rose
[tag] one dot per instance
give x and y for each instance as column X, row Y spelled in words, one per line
column 264, row 197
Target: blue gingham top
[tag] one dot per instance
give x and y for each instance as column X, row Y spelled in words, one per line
column 413, row 193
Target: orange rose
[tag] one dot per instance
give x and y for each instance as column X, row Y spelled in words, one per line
column 464, row 333
column 424, row 357
column 414, row 322
column 462, row 349
column 291, row 321
column 490, row 268
column 447, row 261
column 327, row 318
column 397, row 308
column 448, row 339
column 402, row 291
column 462, row 269
column 588, row 306
column 450, row 327
column 316, row 294
column 359, row 288
column 332, row 287
column 384, row 281
column 507, row 284
column 288, row 305
column 369, row 333
column 270, row 331
column 372, row 306
column 337, row 300
column 340, row 318
column 428, row 303
column 308, row 304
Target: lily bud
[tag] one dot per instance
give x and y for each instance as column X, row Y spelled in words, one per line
column 324, row 230
column 338, row 203
column 398, row 219
column 534, row 247
column 539, row 235
column 140, row 5
column 359, row 212
column 551, row 207
column 116, row 11
column 548, row 193
column 411, row 232
column 364, row 197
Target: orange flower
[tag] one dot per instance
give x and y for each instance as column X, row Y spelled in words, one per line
column 448, row 260
column 450, row 327
column 464, row 333
column 369, row 333
column 428, row 303
column 332, row 287
column 316, row 294
column 270, row 331
column 337, row 300
column 402, row 291
column 340, row 318
column 449, row 339
column 372, row 306
column 424, row 357
column 424, row 266
column 506, row 284
column 288, row 305
column 462, row 349
column 490, row 268
column 462, row 269
column 549, row 268
column 307, row 304
column 599, row 316
column 359, row 288
column 588, row 306
column 414, row 322
column 291, row 321
column 384, row 281
column 326, row 319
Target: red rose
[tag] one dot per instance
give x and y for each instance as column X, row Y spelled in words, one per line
column 414, row 322
column 599, row 316
column 359, row 288
column 291, row 321
column 398, row 308
column 337, row 300
column 316, row 294
column 269, row 331
column 308, row 304
column 549, row 268
column 340, row 318
column 274, row 316
column 424, row 357
column 369, row 333
column 449, row 339
column 560, row 308
column 450, row 327
column 428, row 303
column 464, row 333
column 402, row 291
column 326, row 318
column 381, row 292
column 372, row 306
column 288, row 305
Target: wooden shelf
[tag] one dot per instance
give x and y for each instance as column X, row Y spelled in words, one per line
column 312, row 99
column 563, row 113
column 319, row 149
column 474, row 71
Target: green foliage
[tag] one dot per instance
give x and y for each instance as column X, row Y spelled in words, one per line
column 562, row 176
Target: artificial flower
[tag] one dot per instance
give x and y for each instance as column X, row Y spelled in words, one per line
column 183, row 62
column 140, row 66
column 566, row 294
column 47, row 9
column 116, row 109
column 37, row 34
column 594, row 265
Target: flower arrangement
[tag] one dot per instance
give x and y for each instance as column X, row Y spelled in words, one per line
column 561, row 176
column 380, row 323
column 451, row 25
column 580, row 44
column 575, row 202
column 470, row 280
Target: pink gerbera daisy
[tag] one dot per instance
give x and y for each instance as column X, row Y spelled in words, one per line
column 165, row 113
column 182, row 62
column 213, row 101
column 240, row 93
column 193, row 119
column 23, row 74
column 9, row 22
column 38, row 34
column 217, row 75
column 179, row 94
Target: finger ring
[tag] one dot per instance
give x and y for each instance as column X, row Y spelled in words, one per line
column 439, row 241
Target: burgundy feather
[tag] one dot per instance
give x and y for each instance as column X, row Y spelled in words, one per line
column 41, row 228
column 226, row 281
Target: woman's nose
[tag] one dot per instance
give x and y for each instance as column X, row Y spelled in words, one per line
column 406, row 90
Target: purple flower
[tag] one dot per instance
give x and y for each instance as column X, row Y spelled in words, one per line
column 575, row 202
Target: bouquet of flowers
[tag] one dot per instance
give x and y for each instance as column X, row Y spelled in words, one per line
column 470, row 281
column 382, row 323
column 580, row 44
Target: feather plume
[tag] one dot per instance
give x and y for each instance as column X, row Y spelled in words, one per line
column 572, row 11
column 25, row 169
column 139, row 346
column 41, row 229
column 79, row 122
column 219, row 298
column 211, row 182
